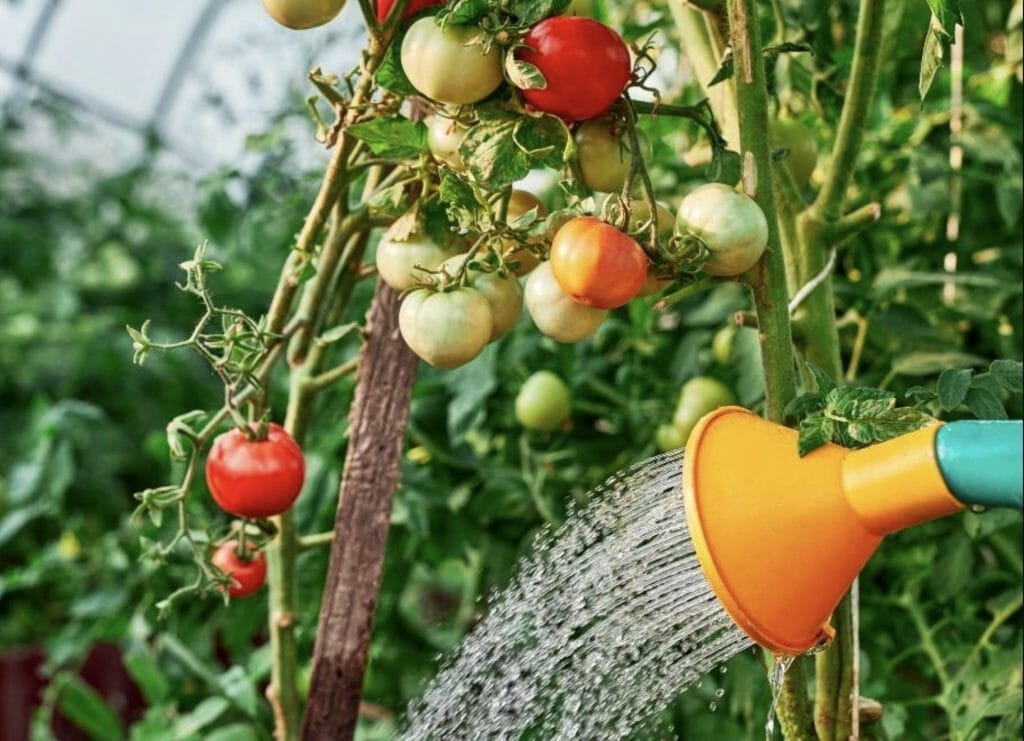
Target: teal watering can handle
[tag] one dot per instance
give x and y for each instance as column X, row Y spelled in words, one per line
column 983, row 462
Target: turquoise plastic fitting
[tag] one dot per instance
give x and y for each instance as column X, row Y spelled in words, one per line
column 983, row 462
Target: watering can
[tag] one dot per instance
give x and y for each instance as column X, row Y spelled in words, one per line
column 781, row 538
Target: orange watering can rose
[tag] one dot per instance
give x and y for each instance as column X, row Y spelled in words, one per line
column 781, row 538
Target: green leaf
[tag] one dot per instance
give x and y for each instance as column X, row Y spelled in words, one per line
column 984, row 404
column 147, row 675
column 463, row 207
column 84, row 707
column 205, row 713
column 947, row 13
column 929, row 363
column 493, row 154
column 390, row 74
column 824, row 384
column 238, row 687
column 336, row 333
column 931, row 57
column 393, row 137
column 803, row 406
column 523, row 75
column 233, row 732
column 529, row 12
column 464, row 12
column 543, row 139
column 952, row 387
column 1009, row 374
column 815, row 431
column 724, row 72
column 892, row 424
column 855, row 403
column 921, row 395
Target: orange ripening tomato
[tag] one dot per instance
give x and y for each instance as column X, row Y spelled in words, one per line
column 596, row 264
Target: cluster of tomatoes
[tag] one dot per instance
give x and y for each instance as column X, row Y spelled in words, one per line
column 593, row 266
column 252, row 479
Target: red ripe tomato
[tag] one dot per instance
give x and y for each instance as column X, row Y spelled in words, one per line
column 596, row 264
column 247, row 574
column 255, row 478
column 415, row 6
column 585, row 63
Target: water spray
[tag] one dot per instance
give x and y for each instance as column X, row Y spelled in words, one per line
column 781, row 538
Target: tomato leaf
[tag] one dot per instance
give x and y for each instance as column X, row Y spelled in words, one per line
column 393, row 137
column 1009, row 374
column 493, row 155
column 815, row 431
column 523, row 75
column 822, row 381
column 931, row 57
column 86, row 709
column 529, row 12
column 984, row 404
column 464, row 12
column 952, row 387
column 803, row 406
column 390, row 74
column 463, row 207
column 948, row 15
column 543, row 139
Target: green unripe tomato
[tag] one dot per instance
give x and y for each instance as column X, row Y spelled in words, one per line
column 445, row 65
column 669, row 437
column 721, row 344
column 444, row 137
column 604, row 154
column 802, row 154
column 503, row 294
column 302, row 14
column 543, row 402
column 400, row 264
column 447, row 328
column 698, row 397
column 730, row 223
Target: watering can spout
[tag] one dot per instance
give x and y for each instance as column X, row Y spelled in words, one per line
column 781, row 538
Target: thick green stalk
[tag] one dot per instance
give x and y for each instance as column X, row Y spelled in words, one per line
column 767, row 281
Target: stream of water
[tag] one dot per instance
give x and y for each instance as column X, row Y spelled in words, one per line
column 607, row 620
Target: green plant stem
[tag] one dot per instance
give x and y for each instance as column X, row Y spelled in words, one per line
column 859, row 94
column 767, row 281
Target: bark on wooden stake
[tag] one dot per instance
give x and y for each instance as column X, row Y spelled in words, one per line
column 379, row 414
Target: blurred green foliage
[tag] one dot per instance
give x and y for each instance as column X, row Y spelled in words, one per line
column 81, row 429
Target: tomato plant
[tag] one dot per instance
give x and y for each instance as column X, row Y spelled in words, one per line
column 543, row 403
column 302, row 14
column 304, row 329
column 730, row 224
column 255, row 478
column 446, row 328
column 448, row 64
column 247, row 573
column 585, row 65
column 554, row 312
column 596, row 264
